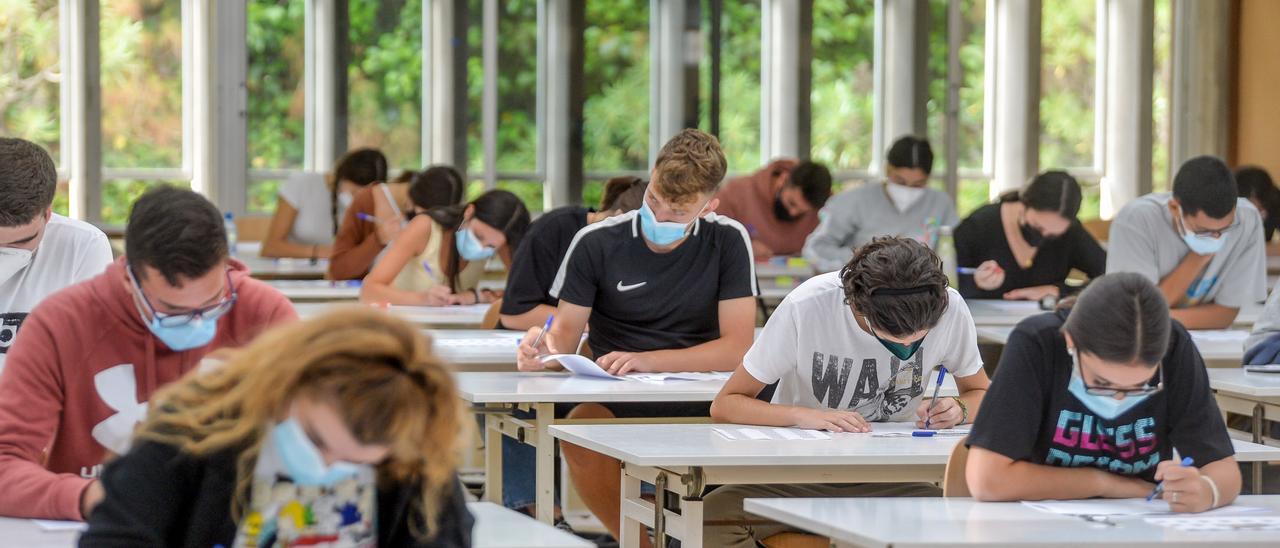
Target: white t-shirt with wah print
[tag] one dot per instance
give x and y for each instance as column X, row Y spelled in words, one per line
column 813, row 347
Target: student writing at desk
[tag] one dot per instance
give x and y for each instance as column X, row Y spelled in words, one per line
column 849, row 348
column 778, row 204
column 439, row 258
column 310, row 206
column 670, row 287
column 340, row 431
column 376, row 217
column 1024, row 245
column 1201, row 244
column 527, row 300
column 1093, row 401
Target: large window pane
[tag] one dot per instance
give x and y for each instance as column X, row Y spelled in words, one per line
column 384, row 79
column 517, row 137
column 29, row 73
column 1068, row 72
column 616, row 78
column 739, row 82
column 842, row 101
column 1162, row 98
column 142, row 83
column 970, row 115
column 277, row 93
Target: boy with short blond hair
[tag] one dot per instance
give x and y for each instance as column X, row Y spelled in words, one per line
column 669, row 287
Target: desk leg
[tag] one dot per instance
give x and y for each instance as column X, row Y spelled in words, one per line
column 631, row 528
column 493, row 458
column 691, row 511
column 545, row 476
column 1258, row 424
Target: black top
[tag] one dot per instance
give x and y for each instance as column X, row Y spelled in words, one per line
column 1029, row 415
column 641, row 300
column 980, row 237
column 157, row 496
column 538, row 259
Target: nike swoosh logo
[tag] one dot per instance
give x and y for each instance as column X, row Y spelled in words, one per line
column 624, row 288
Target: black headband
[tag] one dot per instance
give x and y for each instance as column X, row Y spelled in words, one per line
column 902, row 290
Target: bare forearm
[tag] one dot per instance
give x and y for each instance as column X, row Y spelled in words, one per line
column 1175, row 285
column 1226, row 475
column 1021, row 480
column 532, row 318
column 744, row 409
column 723, row 354
column 1205, row 316
column 972, row 402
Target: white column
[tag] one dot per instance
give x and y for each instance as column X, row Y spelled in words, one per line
column 1201, row 80
column 324, row 97
column 667, row 51
column 556, row 96
column 1127, row 173
column 904, row 64
column 1017, row 90
column 82, row 107
column 219, row 147
column 781, row 69
column 489, row 90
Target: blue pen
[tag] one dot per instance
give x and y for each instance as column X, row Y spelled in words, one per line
column 545, row 328
column 967, row 270
column 427, row 268
column 366, row 217
column 928, row 413
column 1186, row 461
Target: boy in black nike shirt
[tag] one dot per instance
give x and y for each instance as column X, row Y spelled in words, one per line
column 669, row 287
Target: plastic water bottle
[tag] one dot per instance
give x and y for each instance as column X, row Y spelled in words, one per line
column 229, row 222
column 947, row 252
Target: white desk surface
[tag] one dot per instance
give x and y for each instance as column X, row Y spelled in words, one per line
column 1239, row 381
column 698, row 445
column 259, row 267
column 476, row 346
column 1214, row 345
column 543, row 387
column 919, row 522
column 426, row 316
column 318, row 290
column 779, row 268
column 498, row 527
column 997, row 313
column 25, row 533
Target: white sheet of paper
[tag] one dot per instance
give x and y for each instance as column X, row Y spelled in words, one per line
column 580, row 365
column 944, row 433
column 53, row 525
column 738, row 433
column 1123, row 507
column 1199, row 523
column 691, row 376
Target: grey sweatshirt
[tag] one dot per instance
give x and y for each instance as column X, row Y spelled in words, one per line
column 851, row 219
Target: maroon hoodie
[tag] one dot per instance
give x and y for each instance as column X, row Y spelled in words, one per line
column 75, row 387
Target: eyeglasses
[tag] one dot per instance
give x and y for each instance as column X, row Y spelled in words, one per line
column 210, row 313
column 1146, row 390
column 1201, row 233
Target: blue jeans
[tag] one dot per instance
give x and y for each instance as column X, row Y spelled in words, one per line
column 519, row 474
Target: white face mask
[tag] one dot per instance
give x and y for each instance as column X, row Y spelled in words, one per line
column 13, row 260
column 902, row 196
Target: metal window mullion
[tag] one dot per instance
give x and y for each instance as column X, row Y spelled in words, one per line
column 82, row 75
column 989, row 90
column 325, row 55
column 489, row 92
column 954, row 79
column 1101, row 58
column 192, row 16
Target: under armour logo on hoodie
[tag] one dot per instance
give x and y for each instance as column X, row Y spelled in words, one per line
column 118, row 388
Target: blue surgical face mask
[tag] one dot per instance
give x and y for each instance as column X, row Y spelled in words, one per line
column 1105, row 407
column 301, row 459
column 469, row 247
column 665, row 232
column 195, row 333
column 1200, row 244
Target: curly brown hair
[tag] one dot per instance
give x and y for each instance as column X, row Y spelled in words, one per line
column 689, row 166
column 897, row 283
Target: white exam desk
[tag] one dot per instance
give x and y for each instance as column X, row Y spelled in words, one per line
column 463, row 316
column 931, row 522
column 1254, row 395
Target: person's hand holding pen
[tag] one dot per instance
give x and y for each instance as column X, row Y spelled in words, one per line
column 937, row 414
column 385, row 229
column 534, row 345
column 988, row 276
column 1183, row 486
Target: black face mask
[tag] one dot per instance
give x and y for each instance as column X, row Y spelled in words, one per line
column 1033, row 237
column 780, row 209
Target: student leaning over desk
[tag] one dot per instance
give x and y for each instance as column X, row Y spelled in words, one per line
column 439, row 257
column 847, row 349
column 670, row 287
column 89, row 358
column 340, row 431
column 1201, row 245
column 1101, row 399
